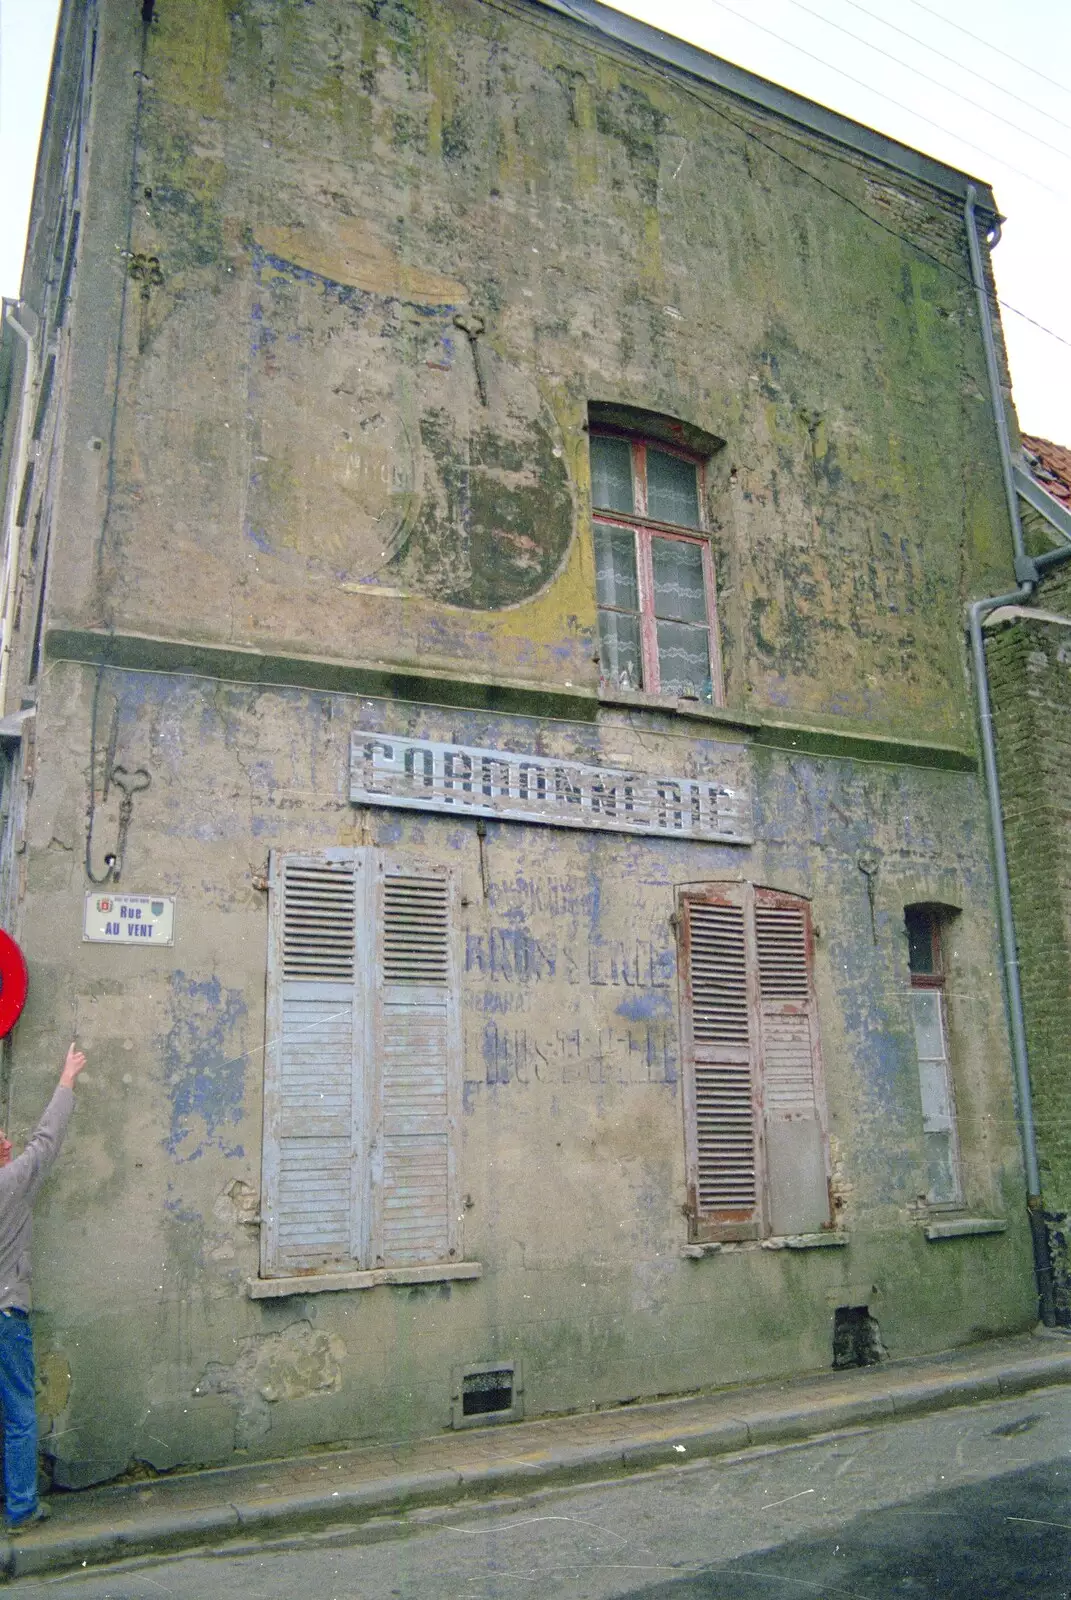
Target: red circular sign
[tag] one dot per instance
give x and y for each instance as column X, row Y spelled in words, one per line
column 14, row 980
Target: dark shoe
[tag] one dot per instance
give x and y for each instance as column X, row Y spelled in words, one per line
column 41, row 1513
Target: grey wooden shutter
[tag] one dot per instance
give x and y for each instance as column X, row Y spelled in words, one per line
column 723, row 1155
column 313, row 1086
column 417, row 1047
column 791, row 1066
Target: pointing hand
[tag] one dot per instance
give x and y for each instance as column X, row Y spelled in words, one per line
column 72, row 1066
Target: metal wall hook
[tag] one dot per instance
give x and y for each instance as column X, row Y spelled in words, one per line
column 472, row 326
column 131, row 783
column 868, row 862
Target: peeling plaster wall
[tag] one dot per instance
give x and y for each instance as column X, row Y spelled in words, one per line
column 312, row 456
column 572, row 1154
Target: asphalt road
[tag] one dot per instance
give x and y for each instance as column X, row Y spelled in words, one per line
column 974, row 1503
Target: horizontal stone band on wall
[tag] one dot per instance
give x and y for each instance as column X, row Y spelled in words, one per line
column 458, row 779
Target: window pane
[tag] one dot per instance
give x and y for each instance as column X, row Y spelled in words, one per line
column 936, row 1092
column 684, row 660
column 611, row 474
column 929, row 1028
column 679, row 592
column 619, row 650
column 615, row 568
column 672, row 490
column 942, row 1176
column 921, row 944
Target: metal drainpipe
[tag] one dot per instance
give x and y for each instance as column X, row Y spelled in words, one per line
column 1022, row 560
column 1027, row 571
column 12, row 540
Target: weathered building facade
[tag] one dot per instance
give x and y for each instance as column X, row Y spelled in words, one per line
column 504, row 493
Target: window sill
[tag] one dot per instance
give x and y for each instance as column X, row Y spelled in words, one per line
column 964, row 1227
column 807, row 1241
column 794, row 1241
column 326, row 1282
column 640, row 699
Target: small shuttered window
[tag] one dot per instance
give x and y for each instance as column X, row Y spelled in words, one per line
column 754, row 1107
column 362, row 1066
column 927, row 926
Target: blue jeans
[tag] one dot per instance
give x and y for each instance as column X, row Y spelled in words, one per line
column 20, row 1415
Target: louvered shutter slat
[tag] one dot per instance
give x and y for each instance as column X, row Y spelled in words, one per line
column 718, row 974
column 725, row 1138
column 416, row 1039
column 718, row 1041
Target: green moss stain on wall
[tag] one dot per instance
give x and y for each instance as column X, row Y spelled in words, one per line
column 498, row 521
column 191, row 39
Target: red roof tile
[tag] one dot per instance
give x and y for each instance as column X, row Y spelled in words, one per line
column 1051, row 466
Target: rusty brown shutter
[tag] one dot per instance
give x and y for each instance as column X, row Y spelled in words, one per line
column 756, row 1151
column 794, row 1113
column 313, row 1094
column 722, row 1149
column 416, row 1044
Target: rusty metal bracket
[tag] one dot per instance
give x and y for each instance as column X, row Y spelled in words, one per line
column 481, row 835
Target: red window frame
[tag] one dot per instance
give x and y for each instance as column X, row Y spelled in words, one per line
column 644, row 529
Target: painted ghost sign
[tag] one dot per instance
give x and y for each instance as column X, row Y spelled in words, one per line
column 427, row 776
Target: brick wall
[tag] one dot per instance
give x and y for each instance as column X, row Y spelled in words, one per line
column 1030, row 676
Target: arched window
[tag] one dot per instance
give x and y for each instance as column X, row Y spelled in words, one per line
column 658, row 622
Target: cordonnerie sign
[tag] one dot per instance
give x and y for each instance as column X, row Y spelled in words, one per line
column 457, row 779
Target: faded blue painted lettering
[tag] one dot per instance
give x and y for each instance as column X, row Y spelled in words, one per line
column 204, row 1065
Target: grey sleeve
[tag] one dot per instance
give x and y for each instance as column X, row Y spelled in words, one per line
column 27, row 1171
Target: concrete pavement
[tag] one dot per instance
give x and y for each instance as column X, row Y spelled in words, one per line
column 346, row 1488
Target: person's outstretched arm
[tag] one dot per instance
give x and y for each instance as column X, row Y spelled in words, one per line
column 27, row 1171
